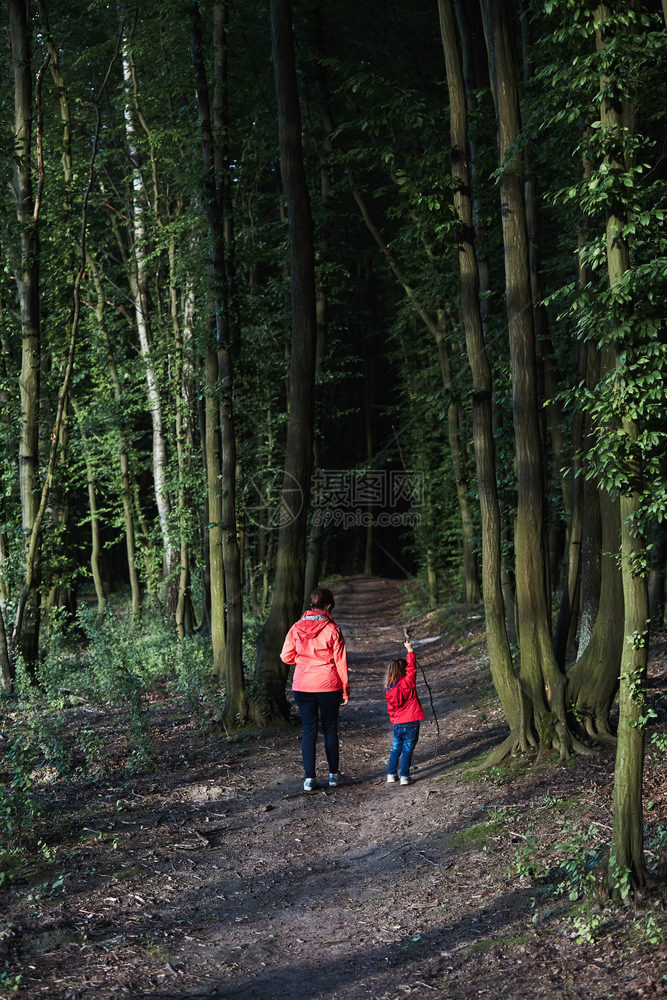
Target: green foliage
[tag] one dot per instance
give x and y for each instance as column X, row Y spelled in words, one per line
column 583, row 853
column 20, row 802
column 579, row 858
column 620, row 877
column 620, row 190
column 587, row 926
column 10, row 979
column 194, row 680
column 524, row 856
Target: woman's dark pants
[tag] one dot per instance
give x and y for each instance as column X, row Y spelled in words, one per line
column 326, row 705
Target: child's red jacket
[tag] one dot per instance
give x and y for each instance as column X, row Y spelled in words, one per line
column 403, row 703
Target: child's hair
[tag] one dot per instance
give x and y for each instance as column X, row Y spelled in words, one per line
column 395, row 671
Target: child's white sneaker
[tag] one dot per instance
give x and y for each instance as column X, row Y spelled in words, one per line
column 391, row 778
column 404, row 780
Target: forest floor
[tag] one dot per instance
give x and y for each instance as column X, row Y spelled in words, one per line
column 213, row 875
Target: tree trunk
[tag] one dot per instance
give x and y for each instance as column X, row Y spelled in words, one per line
column 27, row 284
column 627, row 839
column 61, row 592
column 472, row 593
column 215, row 530
column 286, row 605
column 183, row 597
column 316, row 534
column 6, row 672
column 656, row 580
column 138, row 279
column 123, row 457
column 500, row 658
column 96, row 547
column 225, row 497
column 540, row 678
column 592, row 682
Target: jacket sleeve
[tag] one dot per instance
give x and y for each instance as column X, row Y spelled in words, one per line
column 340, row 660
column 288, row 652
column 407, row 683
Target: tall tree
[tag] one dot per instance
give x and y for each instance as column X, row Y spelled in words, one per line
column 500, row 657
column 220, row 379
column 286, row 604
column 27, row 283
column 540, row 678
column 138, row 279
column 627, row 844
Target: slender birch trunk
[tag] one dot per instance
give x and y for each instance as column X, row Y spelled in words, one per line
column 138, row 279
column 123, row 456
column 61, row 592
column 95, row 546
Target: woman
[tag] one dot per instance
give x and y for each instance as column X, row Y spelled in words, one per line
column 316, row 647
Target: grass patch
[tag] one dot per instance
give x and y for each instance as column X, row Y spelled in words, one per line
column 504, row 773
column 473, row 836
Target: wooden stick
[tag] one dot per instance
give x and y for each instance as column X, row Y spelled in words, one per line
column 430, row 695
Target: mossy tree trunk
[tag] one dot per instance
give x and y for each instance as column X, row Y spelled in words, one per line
column 472, row 593
column 627, row 841
column 541, row 680
column 592, row 682
column 500, row 657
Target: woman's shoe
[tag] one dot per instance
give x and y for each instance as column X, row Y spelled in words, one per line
column 334, row 780
column 309, row 785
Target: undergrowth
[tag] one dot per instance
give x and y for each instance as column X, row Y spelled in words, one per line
column 93, row 686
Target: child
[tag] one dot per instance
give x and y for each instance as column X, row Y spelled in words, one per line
column 405, row 713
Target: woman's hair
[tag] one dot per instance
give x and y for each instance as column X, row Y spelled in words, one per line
column 395, row 671
column 322, row 598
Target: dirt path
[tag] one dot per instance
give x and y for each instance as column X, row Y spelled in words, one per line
column 229, row 882
column 339, row 894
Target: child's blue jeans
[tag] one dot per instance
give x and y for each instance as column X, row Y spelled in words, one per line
column 406, row 735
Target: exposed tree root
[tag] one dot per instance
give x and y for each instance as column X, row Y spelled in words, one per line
column 600, row 731
column 516, row 744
